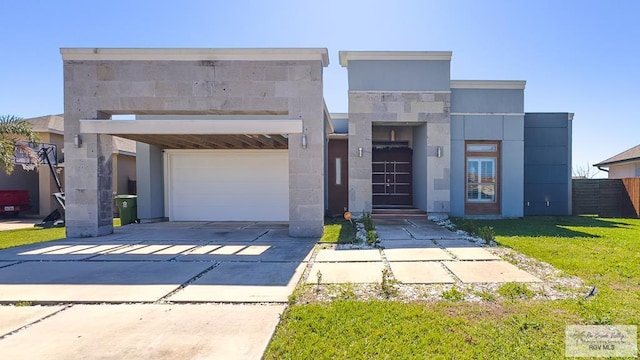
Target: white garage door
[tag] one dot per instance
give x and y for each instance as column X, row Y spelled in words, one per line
column 227, row 185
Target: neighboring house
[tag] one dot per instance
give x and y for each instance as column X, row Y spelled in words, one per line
column 244, row 135
column 623, row 165
column 40, row 182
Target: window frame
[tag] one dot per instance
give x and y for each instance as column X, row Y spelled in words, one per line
column 480, row 206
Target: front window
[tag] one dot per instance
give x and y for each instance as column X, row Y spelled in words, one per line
column 481, row 179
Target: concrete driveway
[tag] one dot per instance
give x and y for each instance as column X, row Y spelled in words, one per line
column 167, row 290
column 22, row 222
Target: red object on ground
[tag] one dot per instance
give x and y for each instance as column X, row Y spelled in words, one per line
column 14, row 201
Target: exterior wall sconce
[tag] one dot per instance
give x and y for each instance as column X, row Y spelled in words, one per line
column 392, row 135
column 547, row 203
column 304, row 141
column 439, row 151
column 360, row 152
column 77, row 141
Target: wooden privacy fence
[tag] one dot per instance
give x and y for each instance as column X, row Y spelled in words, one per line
column 607, row 197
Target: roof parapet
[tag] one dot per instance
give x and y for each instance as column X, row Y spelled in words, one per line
column 346, row 56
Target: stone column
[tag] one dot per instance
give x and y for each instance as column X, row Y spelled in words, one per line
column 360, row 187
column 88, row 187
column 306, row 165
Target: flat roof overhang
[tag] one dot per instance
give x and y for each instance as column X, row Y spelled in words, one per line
column 197, row 54
column 200, row 134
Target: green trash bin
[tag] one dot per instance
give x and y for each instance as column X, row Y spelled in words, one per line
column 128, row 208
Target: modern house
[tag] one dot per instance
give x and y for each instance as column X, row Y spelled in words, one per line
column 244, row 135
column 623, row 165
column 40, row 183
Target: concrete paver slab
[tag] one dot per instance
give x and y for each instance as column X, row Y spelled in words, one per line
column 45, row 252
column 227, row 250
column 99, row 249
column 94, row 281
column 175, row 249
column 420, row 273
column 435, row 232
column 460, row 243
column 331, row 255
column 337, row 273
column 205, row 249
column 141, row 252
column 46, row 249
column 126, row 249
column 90, row 293
column 229, row 282
column 393, row 234
column 15, row 317
column 472, row 253
column 148, row 332
column 147, row 250
column 70, row 249
column 401, row 244
column 488, row 271
column 254, row 250
column 428, row 254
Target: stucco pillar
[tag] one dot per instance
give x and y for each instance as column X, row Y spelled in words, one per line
column 306, row 162
column 88, row 179
column 360, row 186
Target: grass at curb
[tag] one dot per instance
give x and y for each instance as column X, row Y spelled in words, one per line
column 19, row 237
column 603, row 252
column 13, row 238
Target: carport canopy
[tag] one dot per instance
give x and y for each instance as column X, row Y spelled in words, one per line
column 200, row 134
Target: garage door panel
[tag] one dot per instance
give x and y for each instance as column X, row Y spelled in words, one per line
column 228, row 185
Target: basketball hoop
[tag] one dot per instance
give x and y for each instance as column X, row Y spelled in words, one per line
column 28, row 167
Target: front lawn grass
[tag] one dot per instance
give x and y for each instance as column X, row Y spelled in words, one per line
column 19, row 237
column 603, row 252
column 338, row 231
column 13, row 238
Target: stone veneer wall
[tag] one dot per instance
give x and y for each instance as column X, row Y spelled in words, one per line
column 95, row 89
column 401, row 108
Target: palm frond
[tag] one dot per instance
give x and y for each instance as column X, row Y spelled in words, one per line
column 13, row 132
column 14, row 128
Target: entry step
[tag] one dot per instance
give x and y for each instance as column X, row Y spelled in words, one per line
column 380, row 213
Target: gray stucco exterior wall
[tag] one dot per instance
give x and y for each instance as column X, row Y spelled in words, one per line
column 399, row 75
column 150, row 174
column 487, row 101
column 547, row 163
column 420, row 173
column 474, row 118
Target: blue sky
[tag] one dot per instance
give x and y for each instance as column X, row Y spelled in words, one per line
column 577, row 56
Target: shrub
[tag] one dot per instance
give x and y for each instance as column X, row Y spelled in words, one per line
column 367, row 221
column 453, row 294
column 372, row 238
column 487, row 233
column 469, row 226
column 388, row 284
column 515, row 291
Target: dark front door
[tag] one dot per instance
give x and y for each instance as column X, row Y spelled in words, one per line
column 391, row 177
column 338, row 175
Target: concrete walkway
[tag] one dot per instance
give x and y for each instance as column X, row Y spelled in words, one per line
column 416, row 251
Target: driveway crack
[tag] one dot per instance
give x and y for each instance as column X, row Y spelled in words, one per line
column 34, row 322
column 190, row 281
